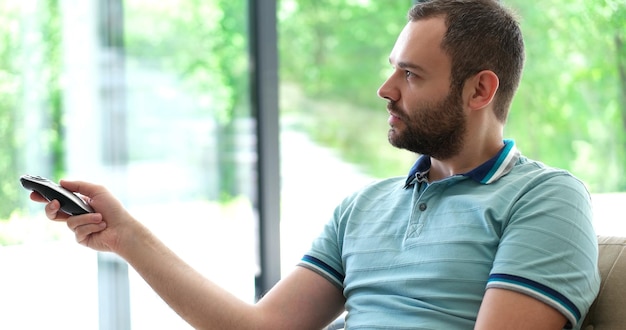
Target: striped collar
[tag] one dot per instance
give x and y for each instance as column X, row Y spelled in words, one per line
column 490, row 171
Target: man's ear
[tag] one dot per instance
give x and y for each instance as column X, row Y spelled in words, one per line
column 481, row 89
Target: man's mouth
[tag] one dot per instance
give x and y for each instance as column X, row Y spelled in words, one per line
column 393, row 119
column 394, row 116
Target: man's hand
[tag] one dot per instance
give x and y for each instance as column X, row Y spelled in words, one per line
column 302, row 300
column 100, row 230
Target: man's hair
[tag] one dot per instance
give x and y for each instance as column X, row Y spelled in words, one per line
column 481, row 35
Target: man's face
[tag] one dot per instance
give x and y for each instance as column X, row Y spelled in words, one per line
column 425, row 115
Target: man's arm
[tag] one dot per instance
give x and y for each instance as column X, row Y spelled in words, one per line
column 507, row 309
column 303, row 300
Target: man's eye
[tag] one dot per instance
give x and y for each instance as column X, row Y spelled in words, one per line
column 409, row 74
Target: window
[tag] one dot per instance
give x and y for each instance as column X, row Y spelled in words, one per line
column 151, row 100
column 569, row 111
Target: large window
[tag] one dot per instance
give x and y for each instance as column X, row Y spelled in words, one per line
column 153, row 100
column 334, row 55
column 570, row 111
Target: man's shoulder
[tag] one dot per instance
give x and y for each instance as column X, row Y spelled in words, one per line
column 535, row 175
column 526, row 167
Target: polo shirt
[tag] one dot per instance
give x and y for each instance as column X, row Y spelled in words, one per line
column 409, row 254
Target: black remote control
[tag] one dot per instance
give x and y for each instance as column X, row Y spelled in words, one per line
column 70, row 202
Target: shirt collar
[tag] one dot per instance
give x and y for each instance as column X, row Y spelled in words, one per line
column 488, row 172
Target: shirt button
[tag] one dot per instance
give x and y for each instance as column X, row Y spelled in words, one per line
column 422, row 206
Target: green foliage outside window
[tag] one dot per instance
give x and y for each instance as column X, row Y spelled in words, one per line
column 205, row 44
column 9, row 88
column 16, row 38
column 570, row 111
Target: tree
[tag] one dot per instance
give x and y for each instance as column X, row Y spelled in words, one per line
column 336, row 53
column 568, row 113
column 205, row 44
column 9, row 87
column 43, row 33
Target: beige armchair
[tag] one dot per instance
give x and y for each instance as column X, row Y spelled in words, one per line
column 608, row 312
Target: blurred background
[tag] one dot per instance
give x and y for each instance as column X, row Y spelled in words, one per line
column 159, row 101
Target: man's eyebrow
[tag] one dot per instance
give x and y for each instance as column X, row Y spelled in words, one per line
column 407, row 65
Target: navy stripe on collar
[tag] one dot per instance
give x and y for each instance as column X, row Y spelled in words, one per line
column 490, row 171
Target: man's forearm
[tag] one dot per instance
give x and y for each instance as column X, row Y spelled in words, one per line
column 199, row 301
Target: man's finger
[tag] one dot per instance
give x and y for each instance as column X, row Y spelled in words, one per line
column 53, row 211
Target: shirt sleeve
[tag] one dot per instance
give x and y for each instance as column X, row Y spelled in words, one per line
column 549, row 249
column 324, row 257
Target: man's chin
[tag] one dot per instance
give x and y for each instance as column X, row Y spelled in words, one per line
column 394, row 139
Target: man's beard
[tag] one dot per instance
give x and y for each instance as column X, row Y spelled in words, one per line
column 433, row 129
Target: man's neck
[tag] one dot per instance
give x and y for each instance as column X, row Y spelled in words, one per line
column 468, row 159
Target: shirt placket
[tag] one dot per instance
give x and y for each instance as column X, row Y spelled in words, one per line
column 421, row 191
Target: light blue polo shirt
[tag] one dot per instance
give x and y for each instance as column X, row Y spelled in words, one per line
column 409, row 254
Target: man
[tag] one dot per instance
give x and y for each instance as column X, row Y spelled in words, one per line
column 477, row 236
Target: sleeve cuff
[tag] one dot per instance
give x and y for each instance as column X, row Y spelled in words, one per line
column 538, row 291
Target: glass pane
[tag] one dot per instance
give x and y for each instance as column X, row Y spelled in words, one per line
column 573, row 97
column 569, row 112
column 333, row 57
column 189, row 127
column 149, row 99
column 43, row 271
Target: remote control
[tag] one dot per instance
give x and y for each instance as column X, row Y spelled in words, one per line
column 70, row 202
